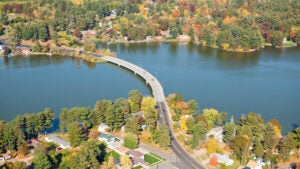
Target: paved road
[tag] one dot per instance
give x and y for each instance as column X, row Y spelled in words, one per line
column 183, row 159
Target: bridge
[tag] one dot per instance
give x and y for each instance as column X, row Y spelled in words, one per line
column 183, row 159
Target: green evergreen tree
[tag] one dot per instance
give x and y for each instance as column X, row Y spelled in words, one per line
column 75, row 134
column 229, row 132
column 41, row 158
column 132, row 125
column 269, row 138
column 87, row 157
column 135, row 99
column 163, row 136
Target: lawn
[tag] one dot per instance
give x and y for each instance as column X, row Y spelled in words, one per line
column 153, row 159
column 138, row 167
column 113, row 153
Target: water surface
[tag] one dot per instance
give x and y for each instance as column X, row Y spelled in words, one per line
column 265, row 82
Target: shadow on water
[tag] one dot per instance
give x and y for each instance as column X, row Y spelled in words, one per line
column 238, row 60
column 123, row 69
column 43, row 60
column 173, row 47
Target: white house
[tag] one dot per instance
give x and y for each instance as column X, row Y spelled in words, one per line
column 217, row 132
column 60, row 142
column 224, row 159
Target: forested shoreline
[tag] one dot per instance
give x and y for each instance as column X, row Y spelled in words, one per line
column 235, row 25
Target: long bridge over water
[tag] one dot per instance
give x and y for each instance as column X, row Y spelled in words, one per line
column 184, row 160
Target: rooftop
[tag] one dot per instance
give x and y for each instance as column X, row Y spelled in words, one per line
column 57, row 140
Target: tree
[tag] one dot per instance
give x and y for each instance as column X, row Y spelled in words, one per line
column 193, row 106
column 212, row 146
column 123, row 105
column 285, row 146
column 211, row 116
column 126, row 162
column 109, row 164
column 296, row 137
column 87, row 157
column 109, row 114
column 76, row 134
column 135, row 99
column 199, row 132
column 163, row 136
column 240, row 146
column 41, row 158
column 229, row 132
column 190, row 125
column 99, row 110
column 258, row 149
column 132, row 125
column 130, row 140
column 147, row 103
column 89, row 47
column 269, row 138
column 20, row 165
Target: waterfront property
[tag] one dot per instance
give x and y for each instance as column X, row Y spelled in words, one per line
column 58, row 141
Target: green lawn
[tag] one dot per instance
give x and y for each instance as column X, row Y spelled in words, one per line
column 113, row 153
column 138, row 167
column 153, row 159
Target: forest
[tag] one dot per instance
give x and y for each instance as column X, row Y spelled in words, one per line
column 245, row 138
column 236, row 25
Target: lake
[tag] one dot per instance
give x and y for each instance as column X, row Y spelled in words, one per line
column 265, row 82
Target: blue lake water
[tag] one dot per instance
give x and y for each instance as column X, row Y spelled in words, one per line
column 265, row 82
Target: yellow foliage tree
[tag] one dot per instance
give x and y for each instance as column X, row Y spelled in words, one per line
column 183, row 123
column 212, row 146
column 147, row 102
column 210, row 116
column 126, row 162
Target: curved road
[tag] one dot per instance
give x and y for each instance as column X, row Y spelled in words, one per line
column 183, row 159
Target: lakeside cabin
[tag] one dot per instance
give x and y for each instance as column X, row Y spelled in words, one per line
column 58, row 141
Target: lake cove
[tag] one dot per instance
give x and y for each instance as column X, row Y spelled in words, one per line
column 265, row 82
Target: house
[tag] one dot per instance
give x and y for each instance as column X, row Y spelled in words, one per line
column 253, row 165
column 102, row 128
column 139, row 162
column 135, row 154
column 216, row 132
column 139, row 116
column 137, row 158
column 224, row 159
column 183, row 38
column 60, row 142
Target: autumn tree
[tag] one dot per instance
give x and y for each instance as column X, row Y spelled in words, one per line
column 212, row 146
column 211, row 116
column 126, row 162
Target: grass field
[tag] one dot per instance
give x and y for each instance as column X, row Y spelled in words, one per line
column 153, row 159
column 113, row 153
